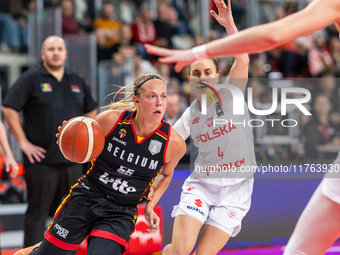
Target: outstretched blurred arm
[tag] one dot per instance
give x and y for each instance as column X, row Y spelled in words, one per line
column 317, row 15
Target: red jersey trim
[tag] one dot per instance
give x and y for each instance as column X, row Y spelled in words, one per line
column 145, row 138
column 60, row 244
column 110, row 236
column 166, row 145
column 115, row 124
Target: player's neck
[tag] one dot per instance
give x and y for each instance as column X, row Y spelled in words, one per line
column 199, row 105
column 143, row 127
column 57, row 72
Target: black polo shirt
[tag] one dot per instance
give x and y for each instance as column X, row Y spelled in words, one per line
column 46, row 103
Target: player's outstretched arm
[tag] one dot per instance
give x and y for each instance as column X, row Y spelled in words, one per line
column 317, row 15
column 240, row 66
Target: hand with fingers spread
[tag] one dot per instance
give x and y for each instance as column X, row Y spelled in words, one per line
column 180, row 57
column 152, row 218
column 224, row 16
column 33, row 152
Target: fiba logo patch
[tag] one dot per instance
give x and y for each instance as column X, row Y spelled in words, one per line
column 155, row 147
column 122, row 133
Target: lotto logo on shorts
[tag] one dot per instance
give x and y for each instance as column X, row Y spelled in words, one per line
column 198, row 202
column 61, row 231
column 190, row 188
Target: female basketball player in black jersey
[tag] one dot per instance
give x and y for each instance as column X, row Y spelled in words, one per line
column 102, row 204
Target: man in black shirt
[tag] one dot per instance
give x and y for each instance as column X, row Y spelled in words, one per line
column 47, row 95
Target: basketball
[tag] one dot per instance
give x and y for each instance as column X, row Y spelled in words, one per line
column 81, row 139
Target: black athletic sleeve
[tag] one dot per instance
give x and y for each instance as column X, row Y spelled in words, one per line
column 20, row 92
column 89, row 102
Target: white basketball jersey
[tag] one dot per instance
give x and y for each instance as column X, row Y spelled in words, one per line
column 225, row 151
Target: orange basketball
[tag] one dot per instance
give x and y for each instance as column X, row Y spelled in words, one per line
column 81, row 139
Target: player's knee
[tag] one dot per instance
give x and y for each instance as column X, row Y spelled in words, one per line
column 176, row 250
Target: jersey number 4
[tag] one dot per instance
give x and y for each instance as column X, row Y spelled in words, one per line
column 220, row 153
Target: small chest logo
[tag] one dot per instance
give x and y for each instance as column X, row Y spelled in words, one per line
column 122, row 133
column 155, row 147
column 75, row 88
column 46, row 87
column 196, row 120
column 210, row 122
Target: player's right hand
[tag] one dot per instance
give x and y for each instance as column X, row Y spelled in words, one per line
column 33, row 152
column 59, row 128
column 12, row 165
column 149, row 193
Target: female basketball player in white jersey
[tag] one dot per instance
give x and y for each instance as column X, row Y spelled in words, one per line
column 319, row 224
column 216, row 201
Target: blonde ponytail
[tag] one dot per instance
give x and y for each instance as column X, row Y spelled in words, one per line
column 136, row 87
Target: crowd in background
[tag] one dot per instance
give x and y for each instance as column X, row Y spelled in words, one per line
column 123, row 26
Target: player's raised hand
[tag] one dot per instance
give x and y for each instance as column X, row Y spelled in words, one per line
column 180, row 57
column 224, row 16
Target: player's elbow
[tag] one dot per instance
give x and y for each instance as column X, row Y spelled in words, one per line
column 273, row 38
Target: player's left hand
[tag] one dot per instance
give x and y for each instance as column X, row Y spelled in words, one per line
column 152, row 218
column 149, row 193
column 182, row 58
column 224, row 16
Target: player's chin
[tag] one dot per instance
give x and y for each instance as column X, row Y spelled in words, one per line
column 156, row 117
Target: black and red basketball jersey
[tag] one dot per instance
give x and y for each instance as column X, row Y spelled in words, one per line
column 126, row 167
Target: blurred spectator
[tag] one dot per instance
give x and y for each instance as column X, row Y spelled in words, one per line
column 173, row 109
column 164, row 29
column 335, row 53
column 126, row 11
column 320, row 132
column 258, row 93
column 108, row 24
column 80, row 10
column 319, row 58
column 69, row 22
column 256, row 69
column 9, row 27
column 143, row 31
column 266, row 12
column 327, row 86
column 124, row 46
column 51, row 3
column 164, row 71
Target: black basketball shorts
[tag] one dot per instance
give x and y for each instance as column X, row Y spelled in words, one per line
column 86, row 212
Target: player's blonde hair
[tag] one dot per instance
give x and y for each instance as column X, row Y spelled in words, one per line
column 130, row 90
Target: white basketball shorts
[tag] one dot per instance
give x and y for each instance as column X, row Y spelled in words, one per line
column 330, row 185
column 223, row 207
